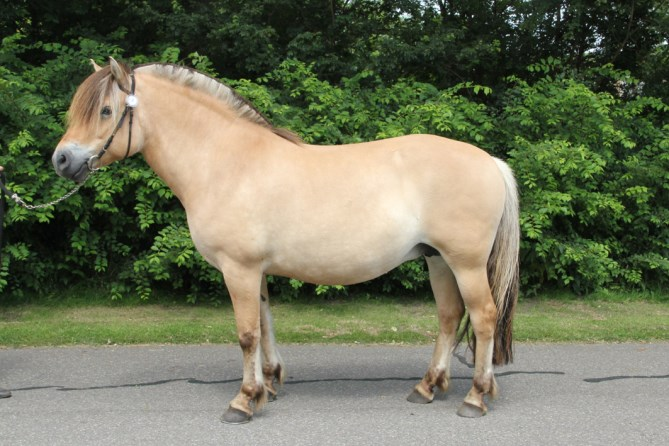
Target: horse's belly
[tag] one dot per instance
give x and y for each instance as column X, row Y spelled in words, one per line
column 343, row 265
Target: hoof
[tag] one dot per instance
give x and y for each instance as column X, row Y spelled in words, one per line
column 470, row 411
column 235, row 416
column 418, row 398
column 271, row 396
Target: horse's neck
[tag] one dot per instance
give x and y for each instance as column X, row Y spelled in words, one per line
column 191, row 140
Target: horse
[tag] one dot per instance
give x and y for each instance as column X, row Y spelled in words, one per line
column 260, row 201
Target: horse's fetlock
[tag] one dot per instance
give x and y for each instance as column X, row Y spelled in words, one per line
column 441, row 381
column 494, row 390
column 252, row 390
column 261, row 397
column 272, row 371
column 436, row 378
column 280, row 374
column 485, row 384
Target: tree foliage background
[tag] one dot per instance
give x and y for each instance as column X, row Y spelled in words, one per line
column 572, row 93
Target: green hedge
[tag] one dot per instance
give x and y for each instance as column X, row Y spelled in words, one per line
column 592, row 164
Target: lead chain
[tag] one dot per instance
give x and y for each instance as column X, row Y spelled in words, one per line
column 32, row 207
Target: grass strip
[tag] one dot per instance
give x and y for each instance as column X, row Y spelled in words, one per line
column 365, row 321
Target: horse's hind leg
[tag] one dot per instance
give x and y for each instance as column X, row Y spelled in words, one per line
column 450, row 309
column 473, row 284
column 272, row 368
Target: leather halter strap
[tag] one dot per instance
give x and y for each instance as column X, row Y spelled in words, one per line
column 130, row 104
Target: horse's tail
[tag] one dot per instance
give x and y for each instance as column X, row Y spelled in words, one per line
column 503, row 273
column 503, row 268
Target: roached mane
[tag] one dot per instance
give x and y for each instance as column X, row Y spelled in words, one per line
column 88, row 98
column 201, row 82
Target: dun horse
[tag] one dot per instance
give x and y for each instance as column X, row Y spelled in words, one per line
column 260, row 201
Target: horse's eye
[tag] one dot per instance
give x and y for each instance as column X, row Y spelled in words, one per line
column 106, row 111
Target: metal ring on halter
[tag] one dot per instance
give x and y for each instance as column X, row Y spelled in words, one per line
column 89, row 163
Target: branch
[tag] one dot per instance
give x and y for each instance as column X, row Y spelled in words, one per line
column 628, row 34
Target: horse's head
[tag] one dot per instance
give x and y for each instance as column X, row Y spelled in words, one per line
column 99, row 123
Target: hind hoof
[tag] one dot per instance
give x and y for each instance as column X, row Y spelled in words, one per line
column 235, row 416
column 470, row 411
column 418, row 398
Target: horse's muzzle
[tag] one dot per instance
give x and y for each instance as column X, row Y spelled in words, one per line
column 71, row 162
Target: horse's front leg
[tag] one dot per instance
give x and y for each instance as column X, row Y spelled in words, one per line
column 244, row 285
column 272, row 368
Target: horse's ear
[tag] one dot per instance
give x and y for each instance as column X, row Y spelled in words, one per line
column 96, row 67
column 120, row 75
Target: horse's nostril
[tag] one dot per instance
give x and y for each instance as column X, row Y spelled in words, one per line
column 61, row 160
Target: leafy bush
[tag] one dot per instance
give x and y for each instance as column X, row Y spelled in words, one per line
column 593, row 173
column 592, row 167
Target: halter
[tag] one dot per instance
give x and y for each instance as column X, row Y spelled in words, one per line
column 131, row 102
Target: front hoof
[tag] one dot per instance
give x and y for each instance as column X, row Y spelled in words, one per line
column 418, row 398
column 235, row 416
column 468, row 410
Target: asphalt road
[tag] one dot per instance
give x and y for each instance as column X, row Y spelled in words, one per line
column 334, row 395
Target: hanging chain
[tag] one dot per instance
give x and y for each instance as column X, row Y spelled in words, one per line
column 32, row 207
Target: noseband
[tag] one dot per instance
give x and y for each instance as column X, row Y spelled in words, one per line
column 130, row 104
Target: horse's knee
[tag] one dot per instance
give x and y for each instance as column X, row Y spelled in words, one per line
column 248, row 339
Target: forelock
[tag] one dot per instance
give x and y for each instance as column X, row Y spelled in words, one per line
column 88, row 98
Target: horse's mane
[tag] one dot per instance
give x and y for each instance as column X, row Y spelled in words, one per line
column 88, row 98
